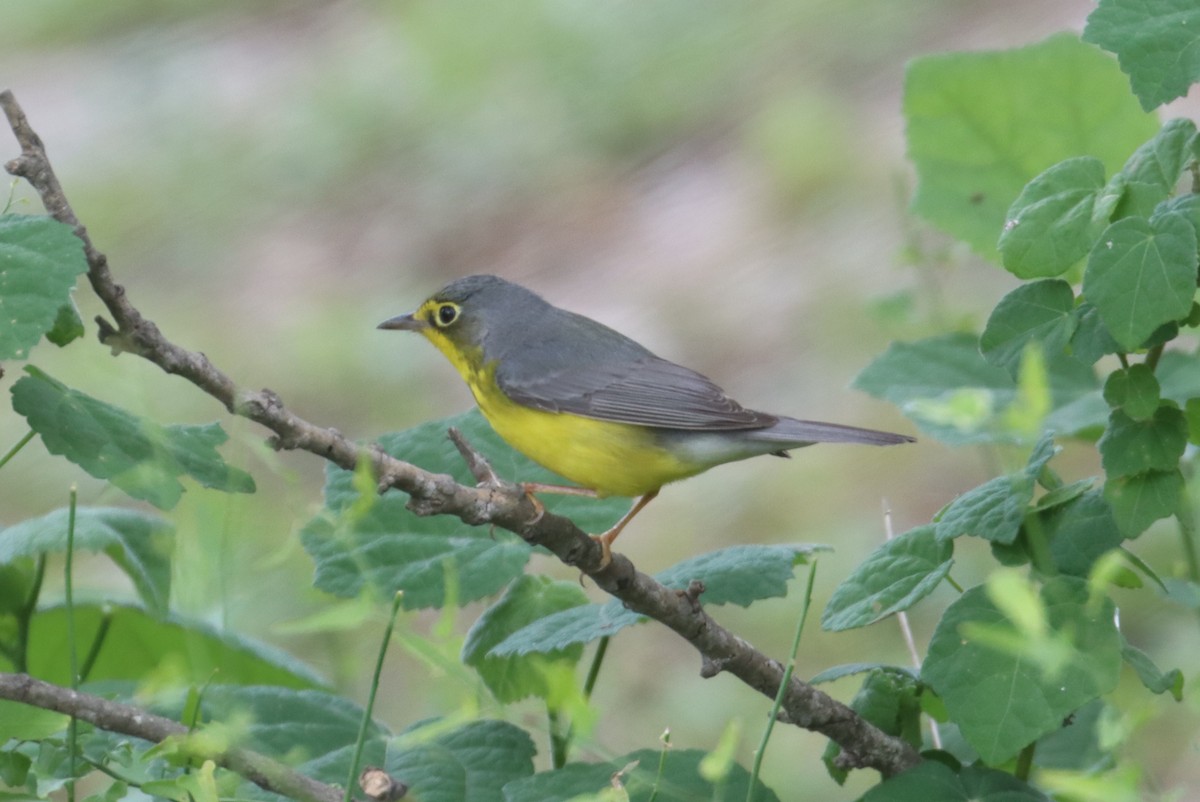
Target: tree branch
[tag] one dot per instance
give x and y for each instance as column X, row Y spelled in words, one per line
column 261, row 770
column 503, row 504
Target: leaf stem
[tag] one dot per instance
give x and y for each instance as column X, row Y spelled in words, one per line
column 21, row 663
column 71, row 648
column 359, row 743
column 12, row 452
column 783, row 684
column 560, row 742
column 1152, row 357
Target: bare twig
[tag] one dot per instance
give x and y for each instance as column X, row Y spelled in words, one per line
column 504, row 504
column 128, row 720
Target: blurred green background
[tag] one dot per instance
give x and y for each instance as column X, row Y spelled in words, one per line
column 724, row 182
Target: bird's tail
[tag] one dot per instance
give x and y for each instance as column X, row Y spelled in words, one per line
column 806, row 432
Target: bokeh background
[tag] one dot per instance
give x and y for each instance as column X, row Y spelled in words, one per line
column 723, row 181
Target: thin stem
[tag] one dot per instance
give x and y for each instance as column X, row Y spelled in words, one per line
column 1186, row 516
column 26, row 615
column 71, row 648
column 589, row 684
column 954, row 584
column 560, row 742
column 787, row 677
column 97, row 642
column 352, row 776
column 12, row 452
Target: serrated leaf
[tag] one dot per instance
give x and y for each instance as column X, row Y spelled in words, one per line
column 1156, row 44
column 737, row 575
column 679, row 781
column 363, row 541
column 1155, row 168
column 40, row 259
column 980, row 126
column 1155, row 680
column 1041, row 312
column 1141, row 275
column 1134, row 390
column 932, row 781
column 1079, row 531
column 139, row 456
column 171, row 649
column 1002, row 699
column 953, row 394
column 1139, row 500
column 1135, row 446
column 894, row 577
column 1053, row 222
column 993, row 511
column 137, row 542
column 514, row 677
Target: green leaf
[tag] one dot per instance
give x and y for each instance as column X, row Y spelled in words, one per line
column 1041, row 312
column 1179, row 376
column 981, row 125
column 1134, row 390
column 1186, row 205
column 363, row 541
column 894, row 577
column 514, row 677
column 170, row 649
column 1156, row 43
column 890, row 701
column 1092, row 338
column 1142, row 274
column 1155, row 168
column 1135, row 446
column 849, row 669
column 996, row 509
column 1139, row 500
column 680, row 780
column 993, row 511
column 67, row 325
column 932, row 781
column 1053, row 222
column 737, row 575
column 1150, row 674
column 140, row 544
column 137, row 455
column 1192, row 413
column 953, row 394
column 1079, row 531
column 1005, row 698
column 40, row 259
column 287, row 723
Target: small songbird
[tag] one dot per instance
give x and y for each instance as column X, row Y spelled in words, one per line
column 591, row 404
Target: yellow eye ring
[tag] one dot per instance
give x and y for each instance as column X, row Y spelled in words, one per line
column 445, row 314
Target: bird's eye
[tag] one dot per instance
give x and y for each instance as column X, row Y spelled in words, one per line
column 446, row 314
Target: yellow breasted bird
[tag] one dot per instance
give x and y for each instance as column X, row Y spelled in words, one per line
column 591, row 404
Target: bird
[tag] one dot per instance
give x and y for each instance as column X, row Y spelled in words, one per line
column 593, row 405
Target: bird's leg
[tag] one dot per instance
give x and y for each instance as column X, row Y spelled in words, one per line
column 563, row 490
column 606, row 539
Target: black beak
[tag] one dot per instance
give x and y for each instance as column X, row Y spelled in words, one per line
column 403, row 323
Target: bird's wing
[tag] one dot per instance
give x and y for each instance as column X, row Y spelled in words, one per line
column 612, row 378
